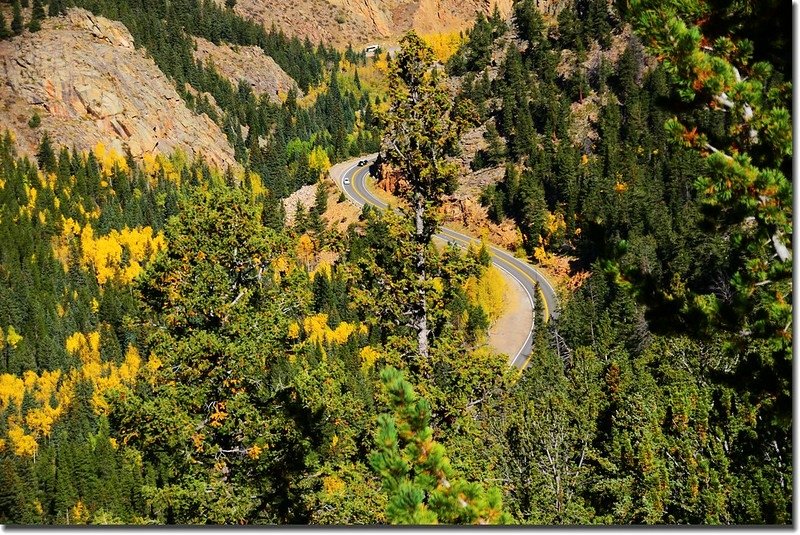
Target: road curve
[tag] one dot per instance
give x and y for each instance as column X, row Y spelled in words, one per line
column 531, row 280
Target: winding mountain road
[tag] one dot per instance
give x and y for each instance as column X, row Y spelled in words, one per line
column 352, row 180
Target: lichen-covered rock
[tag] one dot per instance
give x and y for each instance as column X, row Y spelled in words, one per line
column 83, row 76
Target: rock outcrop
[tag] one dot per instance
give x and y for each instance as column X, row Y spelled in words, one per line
column 83, row 76
column 248, row 63
column 363, row 21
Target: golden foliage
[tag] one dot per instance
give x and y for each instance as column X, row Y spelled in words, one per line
column 444, row 45
column 84, row 346
column 24, row 445
column 104, row 253
column 318, row 331
column 254, row 452
column 305, row 249
column 488, row 292
column 108, row 159
column 130, row 368
column 280, row 267
column 318, row 159
column 323, row 267
column 12, row 337
column 12, row 388
column 154, row 164
column 79, row 514
column 368, row 357
column 333, row 485
column 103, row 376
column 294, row 330
column 219, row 415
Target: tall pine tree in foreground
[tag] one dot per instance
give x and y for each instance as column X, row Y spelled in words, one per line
column 422, row 129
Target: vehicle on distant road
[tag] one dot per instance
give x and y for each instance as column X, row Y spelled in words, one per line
column 362, row 163
column 346, row 181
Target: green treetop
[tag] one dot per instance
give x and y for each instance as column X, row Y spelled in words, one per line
column 422, row 486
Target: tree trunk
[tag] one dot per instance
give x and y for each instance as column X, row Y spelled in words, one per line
column 421, row 320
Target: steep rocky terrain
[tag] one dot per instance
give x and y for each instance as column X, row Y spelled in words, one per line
column 248, row 63
column 85, row 79
column 361, row 21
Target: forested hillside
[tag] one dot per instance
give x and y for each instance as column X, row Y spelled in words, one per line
column 173, row 352
column 668, row 397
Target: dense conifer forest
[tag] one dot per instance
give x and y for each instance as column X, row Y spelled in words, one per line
column 174, row 352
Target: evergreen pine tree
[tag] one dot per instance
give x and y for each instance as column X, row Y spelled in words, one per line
column 57, row 8
column 416, row 472
column 4, row 31
column 321, row 198
column 17, row 24
column 37, row 16
column 46, row 156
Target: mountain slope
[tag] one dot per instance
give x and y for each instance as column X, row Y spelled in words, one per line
column 361, row 21
column 82, row 75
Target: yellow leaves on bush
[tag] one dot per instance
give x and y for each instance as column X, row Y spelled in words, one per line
column 79, row 513
column 305, row 249
column 256, row 185
column 341, row 333
column 488, row 292
column 554, row 223
column 443, row 45
column 152, row 366
column 294, row 331
column 323, row 267
column 316, row 326
column 318, row 159
column 219, row 415
column 24, row 445
column 45, row 385
column 84, row 346
column 280, row 267
column 31, row 194
column 12, row 388
column 620, row 187
column 104, row 253
column 318, row 331
column 12, row 337
column 108, row 159
column 154, row 164
column 254, row 452
column 40, row 421
column 103, row 376
column 368, row 357
column 130, row 368
column 539, row 253
column 332, row 485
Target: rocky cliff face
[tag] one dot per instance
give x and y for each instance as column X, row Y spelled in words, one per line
column 82, row 75
column 362, row 21
column 248, row 63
